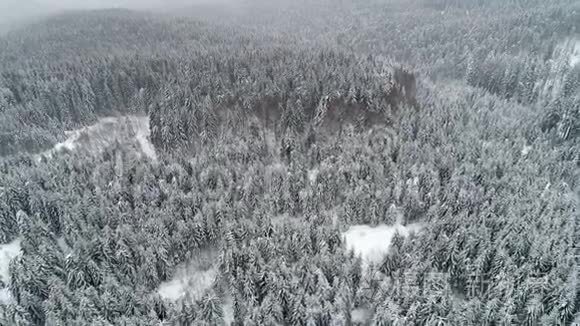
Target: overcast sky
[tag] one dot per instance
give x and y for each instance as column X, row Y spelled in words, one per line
column 16, row 10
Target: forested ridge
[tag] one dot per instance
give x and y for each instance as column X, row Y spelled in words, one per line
column 276, row 127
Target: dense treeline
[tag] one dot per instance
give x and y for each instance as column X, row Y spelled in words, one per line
column 105, row 71
column 551, row 84
column 94, row 70
column 271, row 146
column 285, row 92
column 115, row 217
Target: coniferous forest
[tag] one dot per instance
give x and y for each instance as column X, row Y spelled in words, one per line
column 228, row 164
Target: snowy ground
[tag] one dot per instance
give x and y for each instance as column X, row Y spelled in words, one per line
column 373, row 243
column 187, row 281
column 360, row 316
column 142, row 136
column 568, row 50
column 312, row 176
column 106, row 131
column 192, row 278
column 575, row 55
column 7, row 253
column 228, row 312
column 66, row 249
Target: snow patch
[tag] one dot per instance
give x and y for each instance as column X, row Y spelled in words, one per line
column 106, row 131
column 142, row 136
column 312, row 175
column 360, row 315
column 64, row 247
column 280, row 220
column 7, row 253
column 568, row 50
column 526, row 149
column 228, row 309
column 192, row 282
column 575, row 55
column 373, row 243
column 192, row 278
column 5, row 296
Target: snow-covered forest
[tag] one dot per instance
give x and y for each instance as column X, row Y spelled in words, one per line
column 305, row 162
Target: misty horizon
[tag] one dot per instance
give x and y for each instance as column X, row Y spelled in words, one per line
column 16, row 12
